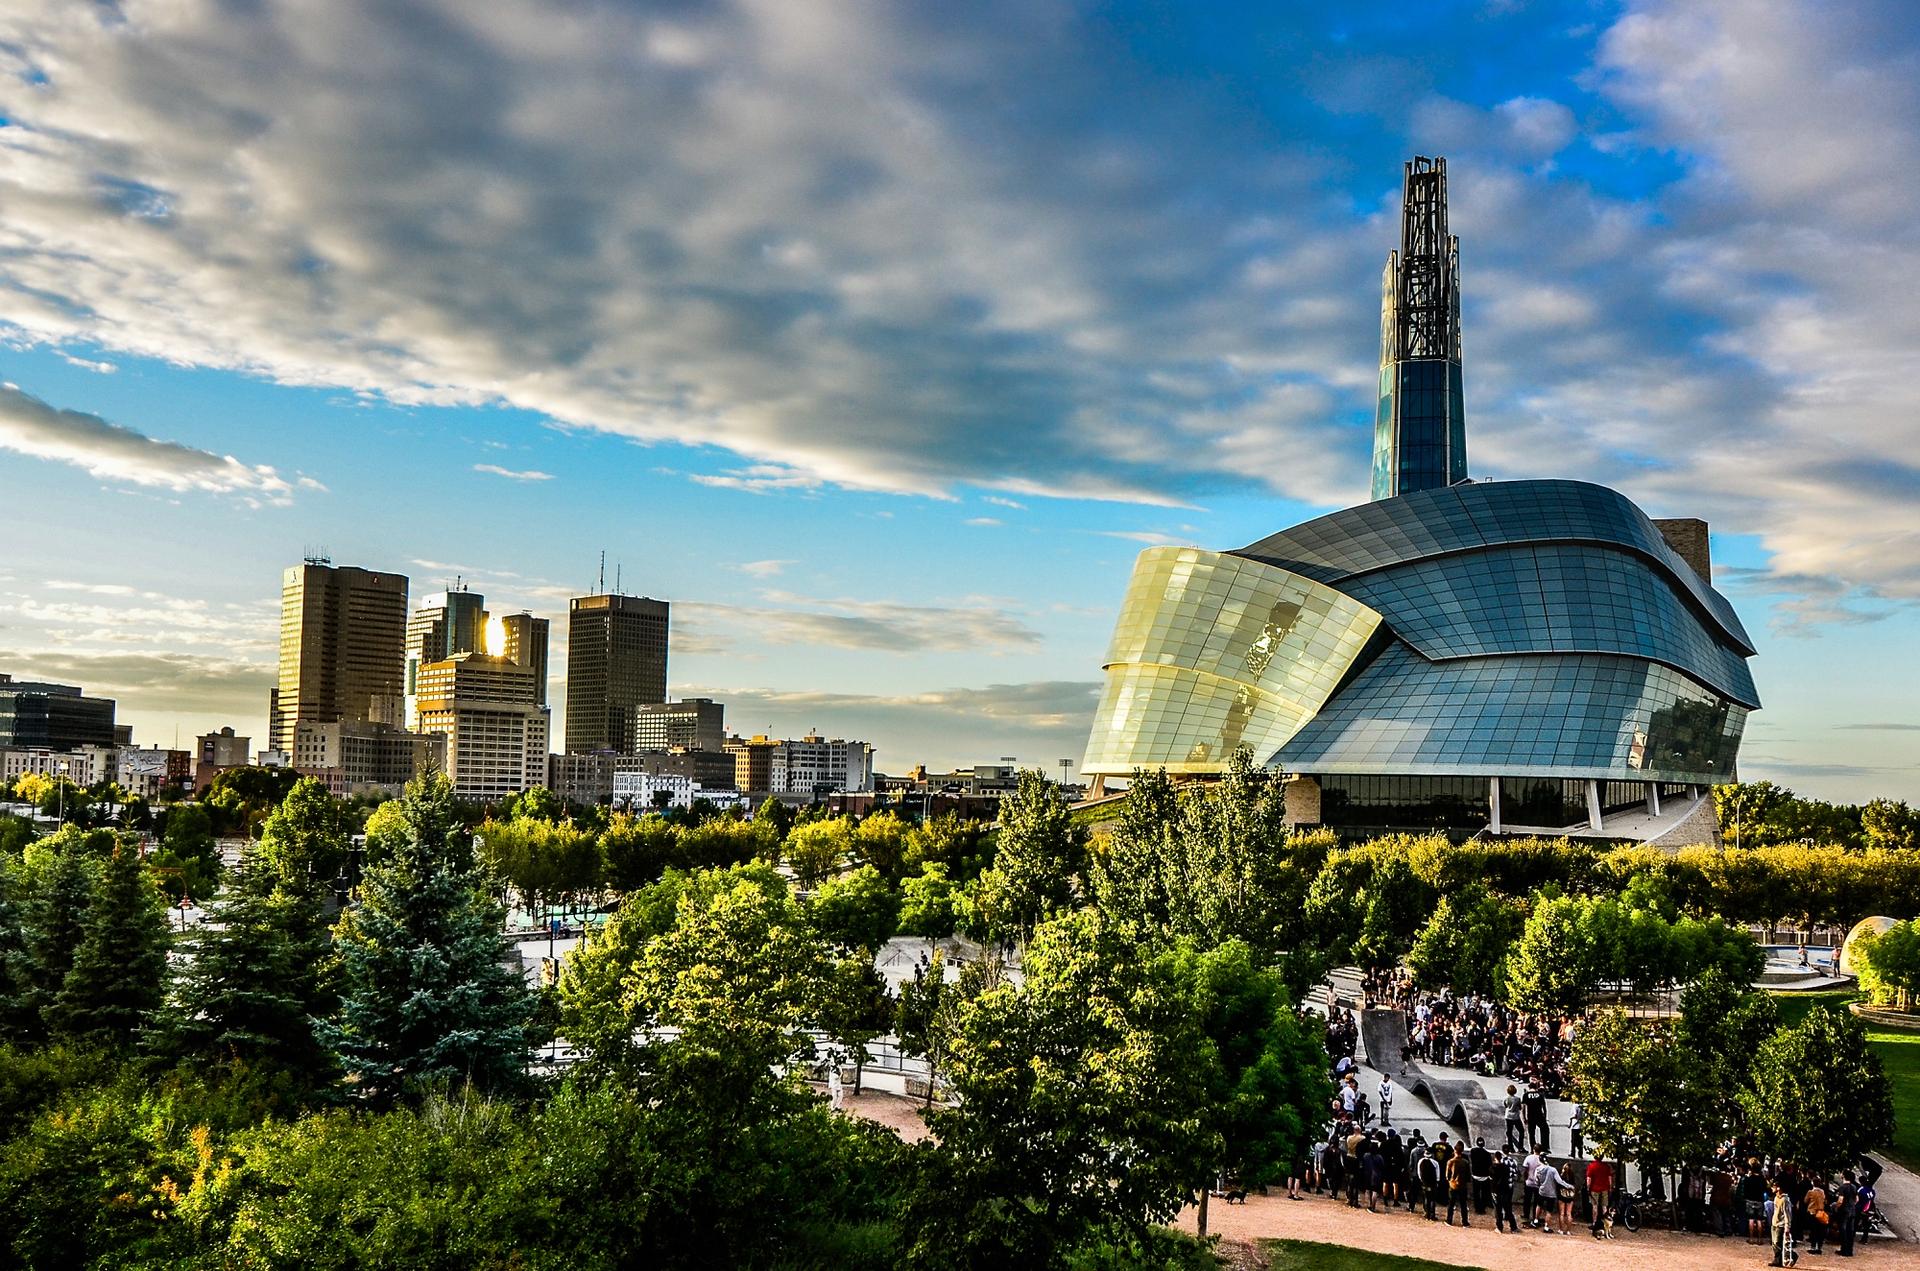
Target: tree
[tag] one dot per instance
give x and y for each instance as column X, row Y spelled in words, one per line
column 1550, row 965
column 929, row 904
column 245, row 991
column 961, row 846
column 58, row 890
column 1040, row 866
column 19, row 1020
column 1077, row 1107
column 425, row 993
column 857, row 910
column 1722, row 1026
column 881, row 841
column 1263, row 1072
column 1889, row 963
column 1635, row 1092
column 637, row 850
column 119, row 971
column 241, row 798
column 1745, row 807
column 32, row 787
column 188, row 860
column 1817, row 1094
column 1890, row 823
column 304, row 840
column 535, row 803
column 386, row 830
column 923, row 1015
column 1465, row 943
column 815, row 849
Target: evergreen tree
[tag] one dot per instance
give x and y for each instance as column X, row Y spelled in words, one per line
column 1041, row 864
column 245, row 992
column 58, row 894
column 119, row 970
column 425, row 992
column 18, row 1019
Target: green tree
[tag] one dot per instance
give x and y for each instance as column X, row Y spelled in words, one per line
column 304, row 840
column 857, row 910
column 535, row 803
column 963, row 847
column 924, row 1016
column 241, row 798
column 637, row 850
column 815, row 849
column 1040, row 866
column 1745, row 807
column 119, row 971
column 1635, row 1091
column 1466, row 941
column 1891, row 824
column 425, row 993
column 1077, row 1107
column 1550, row 966
column 386, row 830
column 188, row 860
column 881, row 841
column 244, row 992
column 19, row 1019
column 1722, row 1025
column 58, row 891
column 1889, row 963
column 1817, row 1093
column 929, row 904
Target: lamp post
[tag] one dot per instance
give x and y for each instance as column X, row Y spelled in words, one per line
column 1064, row 765
column 61, row 768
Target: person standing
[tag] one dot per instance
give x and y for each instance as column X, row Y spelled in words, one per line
column 1511, row 1108
column 1429, row 1175
column 1385, row 1094
column 1753, row 1202
column 1480, row 1165
column 1846, row 1213
column 1505, row 1179
column 1599, row 1193
column 1374, row 1165
column 1574, row 1123
column 1356, row 1146
column 1782, row 1224
column 1458, row 1176
column 1538, row 1134
column 1815, row 1208
column 1530, row 1185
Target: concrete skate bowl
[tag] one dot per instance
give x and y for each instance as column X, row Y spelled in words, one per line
column 1460, row 1101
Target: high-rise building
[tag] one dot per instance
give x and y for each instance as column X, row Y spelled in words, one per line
column 693, row 723
column 446, row 623
column 342, row 647
column 1420, row 430
column 496, row 733
column 526, row 645
column 52, row 716
column 616, row 661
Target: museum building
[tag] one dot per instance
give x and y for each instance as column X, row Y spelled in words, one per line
column 1508, row 655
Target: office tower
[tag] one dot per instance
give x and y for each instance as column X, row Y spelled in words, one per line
column 342, row 647
column 52, row 716
column 695, row 723
column 496, row 734
column 1420, row 431
column 446, row 623
column 616, row 661
column 525, row 645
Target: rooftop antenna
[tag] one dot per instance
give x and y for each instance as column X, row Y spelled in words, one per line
column 317, row 555
column 600, row 586
column 616, row 577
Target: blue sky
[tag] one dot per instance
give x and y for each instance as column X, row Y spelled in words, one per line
column 880, row 338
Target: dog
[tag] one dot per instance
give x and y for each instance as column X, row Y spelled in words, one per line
column 1236, row 1195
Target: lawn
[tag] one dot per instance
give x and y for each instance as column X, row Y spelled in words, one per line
column 1306, row 1255
column 1899, row 1052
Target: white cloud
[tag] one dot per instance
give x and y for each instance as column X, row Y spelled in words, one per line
column 765, row 568
column 529, row 474
column 112, row 452
column 984, row 521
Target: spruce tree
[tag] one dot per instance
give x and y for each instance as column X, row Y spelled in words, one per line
column 55, row 915
column 245, row 991
column 119, row 970
column 18, row 1019
column 425, row 992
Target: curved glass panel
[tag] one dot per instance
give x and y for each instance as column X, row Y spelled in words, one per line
column 1552, row 715
column 1212, row 652
column 1338, row 546
column 1546, row 598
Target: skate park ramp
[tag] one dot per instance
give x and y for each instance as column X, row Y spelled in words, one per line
column 1460, row 1101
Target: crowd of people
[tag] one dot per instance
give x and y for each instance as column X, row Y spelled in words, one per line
column 1477, row 1033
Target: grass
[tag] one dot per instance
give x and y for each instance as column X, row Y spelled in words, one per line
column 1307, row 1255
column 1899, row 1053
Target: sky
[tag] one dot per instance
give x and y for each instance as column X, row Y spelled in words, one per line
column 879, row 338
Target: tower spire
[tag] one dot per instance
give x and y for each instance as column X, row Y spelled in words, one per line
column 1420, row 429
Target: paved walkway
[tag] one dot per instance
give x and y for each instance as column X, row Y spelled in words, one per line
column 1324, row 1219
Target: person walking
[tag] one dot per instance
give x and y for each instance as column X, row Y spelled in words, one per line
column 1557, row 1195
column 1511, row 1109
column 1458, row 1176
column 1505, row 1179
column 1599, row 1194
column 1782, row 1225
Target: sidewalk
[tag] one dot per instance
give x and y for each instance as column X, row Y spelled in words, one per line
column 1324, row 1219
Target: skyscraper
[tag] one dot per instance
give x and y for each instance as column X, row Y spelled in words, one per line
column 446, row 623
column 526, row 645
column 496, row 736
column 1420, row 431
column 616, row 661
column 342, row 647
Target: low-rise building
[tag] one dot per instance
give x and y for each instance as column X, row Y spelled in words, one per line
column 582, row 779
column 819, row 765
column 636, row 790
column 36, row 715
column 695, row 723
column 148, row 773
column 759, row 765
column 359, row 756
column 82, row 765
column 713, row 769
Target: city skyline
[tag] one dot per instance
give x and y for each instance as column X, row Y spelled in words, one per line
column 884, row 408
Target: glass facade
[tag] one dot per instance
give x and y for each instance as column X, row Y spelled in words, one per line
column 1406, row 802
column 1420, row 430
column 1567, row 715
column 1212, row 652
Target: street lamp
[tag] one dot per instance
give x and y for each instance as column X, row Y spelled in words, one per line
column 62, row 769
column 1064, row 765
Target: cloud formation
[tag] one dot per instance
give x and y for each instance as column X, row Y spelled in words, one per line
column 112, row 452
column 924, row 248
column 529, row 474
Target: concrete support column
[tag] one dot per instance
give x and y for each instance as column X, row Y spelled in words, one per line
column 1098, row 790
column 1593, row 805
column 1653, row 798
column 1493, row 804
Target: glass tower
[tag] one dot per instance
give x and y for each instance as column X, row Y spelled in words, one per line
column 1420, row 430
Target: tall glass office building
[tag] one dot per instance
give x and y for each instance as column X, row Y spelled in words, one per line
column 1462, row 654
